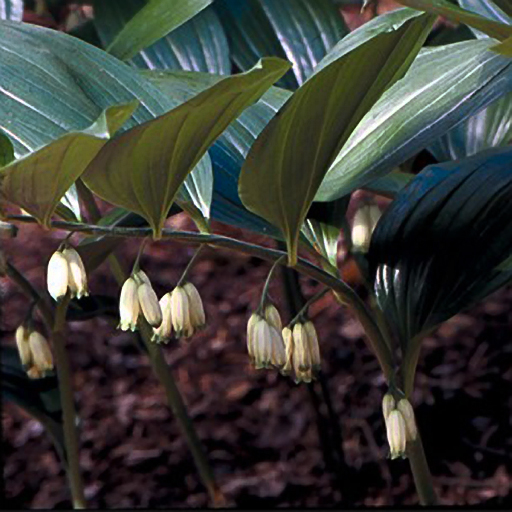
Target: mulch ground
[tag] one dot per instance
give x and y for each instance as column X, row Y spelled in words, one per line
column 261, row 431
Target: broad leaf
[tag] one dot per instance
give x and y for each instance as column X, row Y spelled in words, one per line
column 444, row 86
column 154, row 21
column 143, row 168
column 302, row 31
column 79, row 82
column 441, row 245
column 288, row 161
column 11, row 10
column 504, row 48
column 489, row 128
column 198, row 45
column 454, row 13
column 488, row 9
column 38, row 181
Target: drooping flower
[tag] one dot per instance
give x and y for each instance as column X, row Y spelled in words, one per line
column 164, row 332
column 58, row 275
column 129, row 305
column 396, row 433
column 365, row 221
column 42, row 358
column 22, row 334
column 77, row 276
column 405, row 407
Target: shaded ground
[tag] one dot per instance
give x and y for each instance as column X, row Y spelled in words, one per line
column 260, row 429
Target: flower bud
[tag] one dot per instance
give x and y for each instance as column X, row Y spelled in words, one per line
column 42, row 357
column 149, row 304
column 314, row 347
column 22, row 334
column 396, row 432
column 77, row 279
column 388, row 404
column 272, row 317
column 262, row 344
column 405, row 407
column 253, row 320
column 180, row 313
column 58, row 275
column 197, row 316
column 129, row 305
column 164, row 332
column 277, row 350
column 365, row 220
column 288, row 346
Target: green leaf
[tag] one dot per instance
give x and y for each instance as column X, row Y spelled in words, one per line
column 288, row 161
column 323, row 226
column 488, row 9
column 143, row 168
column 489, row 128
column 155, row 20
column 6, row 150
column 80, row 81
column 444, row 86
column 302, row 31
column 454, row 13
column 504, row 48
column 441, row 245
column 200, row 44
column 38, row 181
column 11, row 10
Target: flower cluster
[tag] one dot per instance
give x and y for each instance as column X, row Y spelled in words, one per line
column 182, row 311
column 294, row 349
column 264, row 340
column 302, row 351
column 138, row 297
column 66, row 271
column 35, row 354
column 400, row 424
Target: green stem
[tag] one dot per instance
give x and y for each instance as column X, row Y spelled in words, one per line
column 68, row 405
column 303, row 311
column 184, row 276
column 160, row 367
column 267, row 283
column 180, row 412
column 421, row 473
column 343, row 293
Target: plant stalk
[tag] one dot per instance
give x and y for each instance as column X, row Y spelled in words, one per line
column 421, row 473
column 68, row 405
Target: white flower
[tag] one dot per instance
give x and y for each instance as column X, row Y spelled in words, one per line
column 405, row 407
column 396, row 433
column 77, row 276
column 180, row 312
column 41, row 354
column 365, row 220
column 148, row 302
column 22, row 335
column 58, row 275
column 164, row 332
column 129, row 305
column 196, row 311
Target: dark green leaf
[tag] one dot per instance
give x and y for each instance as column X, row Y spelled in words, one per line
column 154, row 21
column 143, row 168
column 488, row 9
column 442, row 244
column 6, row 150
column 444, row 86
column 302, row 31
column 288, row 161
column 454, row 13
column 198, row 45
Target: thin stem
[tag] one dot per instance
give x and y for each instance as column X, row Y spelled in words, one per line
column 68, row 404
column 303, row 311
column 267, row 283
column 180, row 412
column 184, row 276
column 136, row 266
column 162, row 370
column 421, row 472
column 343, row 293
